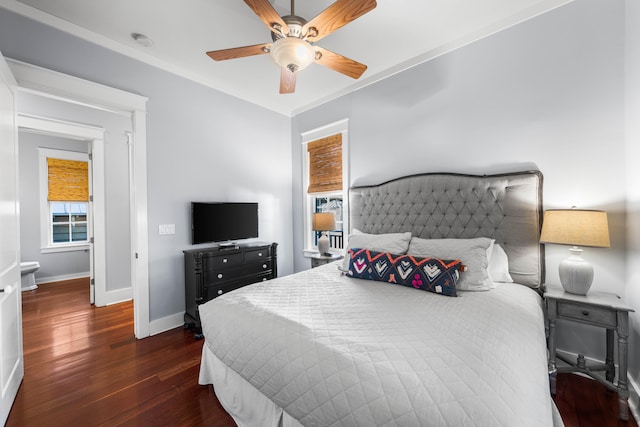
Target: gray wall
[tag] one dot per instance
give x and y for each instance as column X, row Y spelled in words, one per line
column 545, row 94
column 202, row 145
column 74, row 263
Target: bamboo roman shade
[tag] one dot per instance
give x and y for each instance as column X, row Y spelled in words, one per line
column 325, row 164
column 68, row 180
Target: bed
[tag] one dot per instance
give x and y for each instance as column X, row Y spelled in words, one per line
column 331, row 347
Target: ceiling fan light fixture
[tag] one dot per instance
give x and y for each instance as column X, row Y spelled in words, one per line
column 293, row 53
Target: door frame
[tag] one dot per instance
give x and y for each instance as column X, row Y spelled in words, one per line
column 11, row 351
column 95, row 137
column 52, row 84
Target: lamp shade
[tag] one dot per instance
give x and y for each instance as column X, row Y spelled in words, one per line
column 575, row 227
column 323, row 221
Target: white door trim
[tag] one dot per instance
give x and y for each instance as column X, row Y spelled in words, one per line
column 95, row 137
column 61, row 86
column 11, row 352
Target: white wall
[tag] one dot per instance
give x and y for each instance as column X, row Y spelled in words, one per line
column 52, row 265
column 545, row 94
column 202, row 144
column 632, row 90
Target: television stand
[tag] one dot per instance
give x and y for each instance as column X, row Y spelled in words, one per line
column 213, row 271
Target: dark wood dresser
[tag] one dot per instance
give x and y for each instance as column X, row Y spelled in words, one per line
column 214, row 271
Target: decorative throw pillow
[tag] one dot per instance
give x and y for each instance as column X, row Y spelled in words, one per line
column 473, row 253
column 395, row 243
column 429, row 274
column 499, row 265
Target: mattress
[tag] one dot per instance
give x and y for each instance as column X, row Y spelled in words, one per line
column 329, row 350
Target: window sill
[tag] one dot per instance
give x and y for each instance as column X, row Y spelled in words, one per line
column 70, row 248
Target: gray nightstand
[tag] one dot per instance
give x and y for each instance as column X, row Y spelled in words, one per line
column 598, row 309
column 320, row 259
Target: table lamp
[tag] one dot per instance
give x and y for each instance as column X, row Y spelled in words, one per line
column 323, row 221
column 575, row 227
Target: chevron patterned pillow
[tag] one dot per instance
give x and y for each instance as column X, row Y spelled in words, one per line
column 429, row 274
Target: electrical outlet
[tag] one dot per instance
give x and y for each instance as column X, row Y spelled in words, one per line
column 167, row 229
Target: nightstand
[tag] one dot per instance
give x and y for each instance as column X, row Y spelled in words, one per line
column 599, row 309
column 318, row 259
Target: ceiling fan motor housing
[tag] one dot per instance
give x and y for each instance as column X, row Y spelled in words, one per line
column 295, row 24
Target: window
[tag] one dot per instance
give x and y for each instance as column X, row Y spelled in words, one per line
column 64, row 200
column 325, row 181
column 68, row 222
column 330, row 203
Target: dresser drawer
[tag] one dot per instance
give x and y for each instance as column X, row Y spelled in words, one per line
column 221, row 289
column 224, row 275
column 587, row 314
column 257, row 254
column 222, row 261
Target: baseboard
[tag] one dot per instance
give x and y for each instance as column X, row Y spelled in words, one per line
column 119, row 295
column 634, row 385
column 164, row 324
column 61, row 278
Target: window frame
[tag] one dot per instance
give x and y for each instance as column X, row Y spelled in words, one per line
column 46, row 223
column 338, row 127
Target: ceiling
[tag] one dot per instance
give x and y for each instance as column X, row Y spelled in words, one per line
column 396, row 35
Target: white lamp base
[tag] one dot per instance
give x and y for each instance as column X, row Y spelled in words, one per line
column 323, row 244
column 576, row 274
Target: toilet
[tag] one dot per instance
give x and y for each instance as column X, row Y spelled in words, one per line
column 28, row 277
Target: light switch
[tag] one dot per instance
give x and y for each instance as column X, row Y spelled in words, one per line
column 167, row 229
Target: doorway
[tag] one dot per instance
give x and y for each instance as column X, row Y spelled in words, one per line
column 50, row 85
column 63, row 139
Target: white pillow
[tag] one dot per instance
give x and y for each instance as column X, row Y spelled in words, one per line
column 474, row 254
column 499, row 265
column 395, row 243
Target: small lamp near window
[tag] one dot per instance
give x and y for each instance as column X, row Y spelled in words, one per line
column 575, row 227
column 323, row 221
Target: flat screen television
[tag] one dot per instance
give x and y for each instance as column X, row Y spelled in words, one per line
column 223, row 221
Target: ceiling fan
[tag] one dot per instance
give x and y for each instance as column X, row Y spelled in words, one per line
column 293, row 39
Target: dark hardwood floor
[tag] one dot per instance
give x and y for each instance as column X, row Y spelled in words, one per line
column 83, row 366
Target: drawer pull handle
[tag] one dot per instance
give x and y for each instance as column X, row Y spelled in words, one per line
column 264, row 265
column 259, row 253
column 264, row 279
column 224, row 260
column 585, row 313
column 219, row 291
column 220, row 276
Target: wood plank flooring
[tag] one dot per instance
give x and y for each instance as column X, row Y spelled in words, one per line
column 83, row 367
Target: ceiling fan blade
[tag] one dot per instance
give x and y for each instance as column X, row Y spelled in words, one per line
column 267, row 14
column 340, row 63
column 239, row 52
column 287, row 81
column 336, row 16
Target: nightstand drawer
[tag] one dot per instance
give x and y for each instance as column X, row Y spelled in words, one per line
column 587, row 314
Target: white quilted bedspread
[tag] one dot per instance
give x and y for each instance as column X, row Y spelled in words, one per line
column 336, row 351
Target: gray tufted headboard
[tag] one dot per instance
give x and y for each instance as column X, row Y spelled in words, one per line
column 505, row 207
